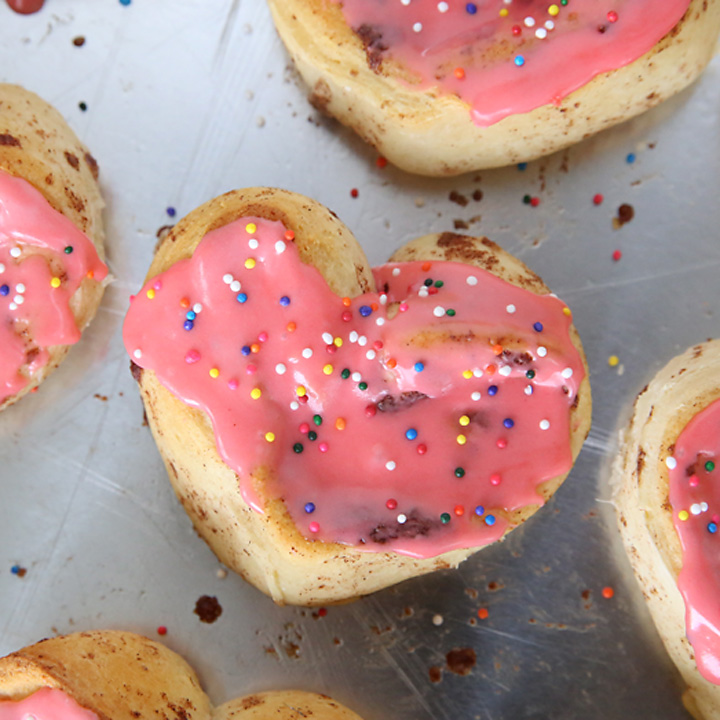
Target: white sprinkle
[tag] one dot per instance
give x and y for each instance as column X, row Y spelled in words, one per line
column 362, row 341
column 227, row 278
column 327, row 338
column 383, row 299
column 294, row 405
column 235, row 285
column 438, row 620
column 439, row 311
column 20, row 288
column 19, row 299
column 505, row 370
column 356, row 377
column 704, row 506
column 695, row 509
column 529, row 21
column 671, row 462
column 253, row 243
column 280, row 247
column 544, row 424
column 197, row 308
column 2, row 268
column 12, row 306
column 307, row 353
column 137, row 353
column 353, row 337
column 15, row 252
column 390, row 465
column 529, row 390
column 423, row 292
column 542, row 351
column 477, row 372
column 405, row 2
column 443, row 7
column 471, row 280
column 549, row 24
column 379, row 321
column 417, row 27
column 280, row 369
column 567, row 373
column 511, row 309
column 370, row 354
column 541, row 33
column 402, row 518
column 396, row 272
column 476, row 396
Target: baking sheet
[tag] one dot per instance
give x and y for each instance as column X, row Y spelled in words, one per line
column 190, row 98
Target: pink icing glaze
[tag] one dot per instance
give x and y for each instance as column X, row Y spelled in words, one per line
column 33, row 238
column 486, row 45
column 695, row 492
column 387, row 468
column 45, row 704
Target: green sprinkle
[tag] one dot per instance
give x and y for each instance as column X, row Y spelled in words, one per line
column 445, row 518
column 312, row 435
column 317, row 419
column 709, row 465
column 439, row 283
column 450, row 312
column 298, row 448
column 345, row 374
column 68, row 249
column 459, row 472
column 362, row 385
column 526, row 199
column 530, row 374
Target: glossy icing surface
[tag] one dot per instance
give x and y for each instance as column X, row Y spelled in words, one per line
column 412, row 419
column 43, row 260
column 511, row 56
column 695, row 497
column 45, row 704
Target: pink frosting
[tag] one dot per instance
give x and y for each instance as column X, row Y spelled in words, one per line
column 43, row 260
column 45, row 704
column 382, row 433
column 512, row 56
column 695, row 498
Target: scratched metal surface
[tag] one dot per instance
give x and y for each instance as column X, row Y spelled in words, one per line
column 189, row 98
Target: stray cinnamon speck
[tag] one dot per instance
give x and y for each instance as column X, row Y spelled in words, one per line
column 208, row 609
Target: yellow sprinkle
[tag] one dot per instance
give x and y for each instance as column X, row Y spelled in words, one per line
column 464, row 420
column 340, row 423
column 567, row 311
column 255, row 393
column 328, row 369
column 553, row 10
column 461, row 439
column 55, row 282
column 504, row 12
column 300, row 391
column 683, row 515
column 150, row 293
column 250, row 263
column 251, row 228
column 270, row 436
column 613, row 360
column 337, row 342
column 214, row 372
column 467, row 374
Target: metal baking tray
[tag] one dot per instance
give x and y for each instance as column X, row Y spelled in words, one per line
column 186, row 99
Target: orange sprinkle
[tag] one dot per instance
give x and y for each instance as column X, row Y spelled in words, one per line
column 483, row 613
column 374, row 306
column 392, row 362
column 608, row 592
column 184, row 303
column 289, row 235
column 35, row 389
column 90, row 274
column 340, row 423
column 460, row 73
column 346, row 301
column 291, row 327
column 426, row 266
column 490, row 369
column 255, row 347
column 497, row 349
column 459, row 510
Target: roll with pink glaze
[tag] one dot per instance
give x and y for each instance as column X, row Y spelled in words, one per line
column 51, row 241
column 332, row 429
column 668, row 503
column 443, row 88
column 114, row 675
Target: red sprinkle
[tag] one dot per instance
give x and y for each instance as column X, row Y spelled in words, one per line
column 598, row 198
column 391, row 504
column 612, row 16
column 422, row 449
column 162, row 630
column 608, row 592
column 322, row 612
column 616, row 255
column 381, row 162
column 370, row 410
column 483, row 613
column 516, row 30
column 534, row 201
column 354, row 192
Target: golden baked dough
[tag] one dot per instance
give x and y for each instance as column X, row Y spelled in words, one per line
column 431, row 134
column 683, row 388
column 37, row 145
column 266, row 548
column 123, row 676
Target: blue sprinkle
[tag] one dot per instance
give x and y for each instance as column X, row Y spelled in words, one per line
column 15, row 569
column 538, row 327
column 522, row 166
column 471, row 8
column 245, row 350
column 508, row 423
column 479, row 510
column 242, row 297
column 309, row 507
column 630, row 159
column 411, row 433
column 188, row 324
column 492, row 390
column 712, row 527
column 170, row 211
column 365, row 310
column 190, row 315
column 125, row 2
column 490, row 520
column 519, row 60
column 284, row 300
column 419, row 367
column 4, row 290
